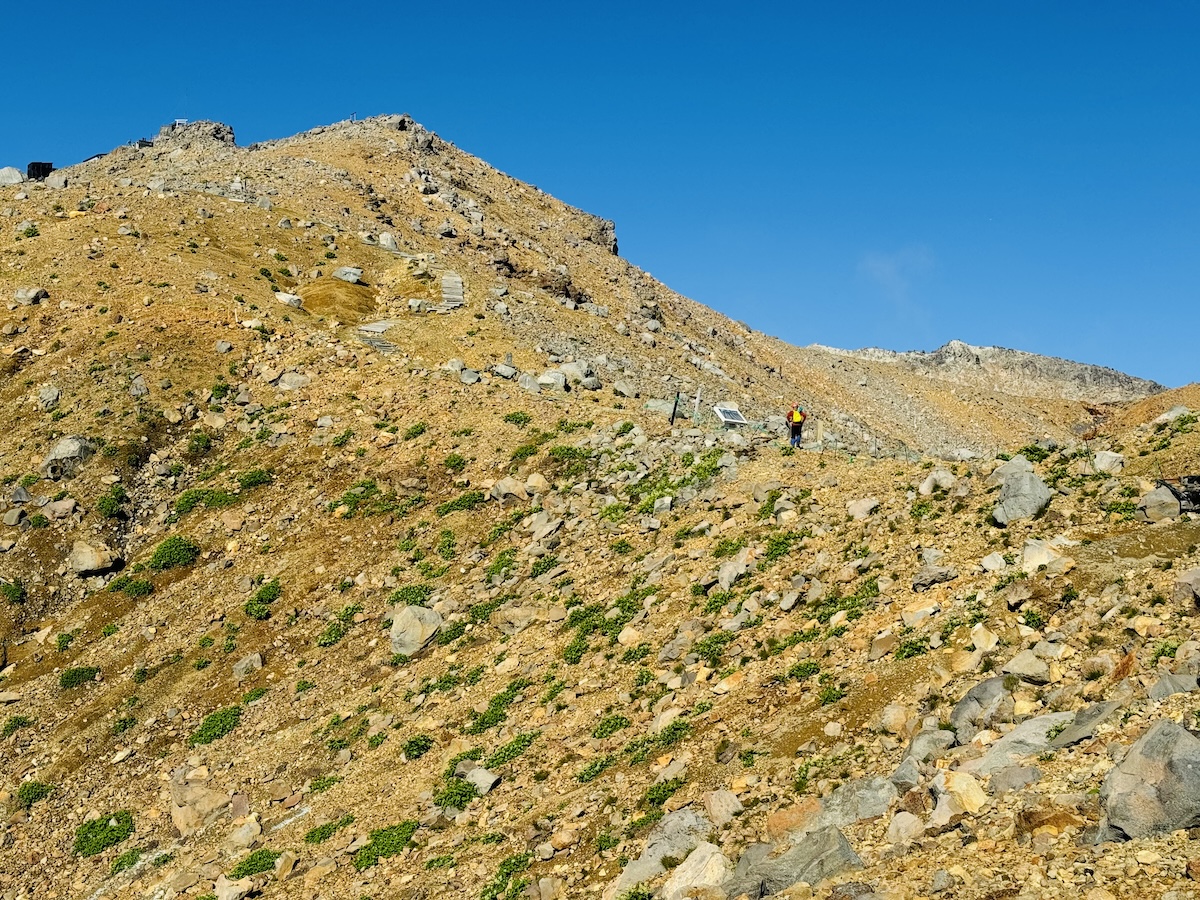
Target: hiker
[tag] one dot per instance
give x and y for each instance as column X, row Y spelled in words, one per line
column 795, row 420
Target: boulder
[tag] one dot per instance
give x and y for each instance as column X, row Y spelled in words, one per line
column 1158, row 505
column 676, row 835
column 350, row 274
column 1031, row 737
column 48, row 397
column 483, row 780
column 293, row 381
column 1022, row 496
column 247, row 665
column 11, row 175
column 705, row 867
column 937, row 480
column 929, row 744
column 1187, row 588
column 984, row 705
column 956, row 794
column 66, row 457
column 88, row 560
column 1015, row 466
column 1155, row 788
column 388, row 242
column 1084, row 723
column 819, row 855
column 412, row 628
column 1029, row 666
column 928, row 576
column 1109, row 463
column 861, row 509
column 30, row 296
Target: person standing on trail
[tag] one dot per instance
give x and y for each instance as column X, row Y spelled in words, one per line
column 795, row 420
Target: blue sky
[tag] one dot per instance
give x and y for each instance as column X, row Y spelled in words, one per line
column 857, row 174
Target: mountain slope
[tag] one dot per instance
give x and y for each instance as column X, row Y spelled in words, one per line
column 275, row 585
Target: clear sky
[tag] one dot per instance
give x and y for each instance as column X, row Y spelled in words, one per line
column 1025, row 174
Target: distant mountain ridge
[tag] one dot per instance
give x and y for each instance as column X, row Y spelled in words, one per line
column 1014, row 372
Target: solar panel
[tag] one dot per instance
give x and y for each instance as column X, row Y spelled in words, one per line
column 730, row 416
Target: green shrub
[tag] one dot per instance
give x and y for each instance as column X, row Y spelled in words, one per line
column 504, row 563
column 621, row 546
column 13, row 591
column 126, row 860
column 261, row 860
column 610, row 725
column 467, row 501
column 216, row 725
column 417, row 746
column 30, row 792
column 199, row 443
column 542, row 566
column 806, row 668
column 831, row 693
column 98, row 835
column 333, row 633
column 456, row 793
column 455, row 462
column 173, row 553
column 123, row 724
column 593, row 770
column 329, row 829
column 415, row 431
column 258, row 606
column 110, row 504
column 131, row 587
column 254, row 478
column 13, row 724
column 518, row 418
column 74, row 677
column 497, row 709
column 511, row 750
column 913, row 646
column 254, row 694
column 385, row 842
column 441, row 862
column 412, row 594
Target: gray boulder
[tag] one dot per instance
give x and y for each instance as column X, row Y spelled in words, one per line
column 412, row 628
column 821, row 854
column 1173, row 684
column 930, row 575
column 65, row 457
column 11, row 175
column 30, row 296
column 1022, row 496
column 1156, row 787
column 1187, row 587
column 1108, row 462
column 48, row 397
column 854, row 801
column 929, row 744
column 1031, row 737
column 676, row 835
column 1015, row 466
column 1085, row 722
column 981, row 707
column 1158, row 505
column 388, row 242
column 351, row 274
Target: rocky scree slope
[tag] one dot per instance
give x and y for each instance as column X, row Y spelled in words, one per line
column 286, row 613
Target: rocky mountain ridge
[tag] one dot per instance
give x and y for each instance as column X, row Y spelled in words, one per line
column 347, row 551
column 1015, row 372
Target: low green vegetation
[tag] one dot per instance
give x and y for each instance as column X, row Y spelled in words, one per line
column 385, row 842
column 174, row 553
column 80, row 675
column 216, row 725
column 97, row 835
column 261, row 860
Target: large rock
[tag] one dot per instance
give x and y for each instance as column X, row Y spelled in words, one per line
column 351, row 274
column 676, row 835
column 1158, row 505
column 65, row 457
column 1187, row 587
column 937, row 480
column 11, row 175
column 1085, row 722
column 705, row 867
column 1031, row 737
column 854, row 801
column 984, row 705
column 861, row 509
column 88, row 560
column 1156, row 787
column 1015, row 466
column 821, row 854
column 1022, row 496
column 929, row 576
column 412, row 628
column 30, row 296
column 1109, row 463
